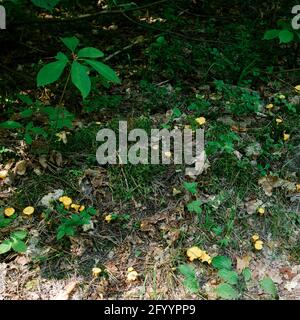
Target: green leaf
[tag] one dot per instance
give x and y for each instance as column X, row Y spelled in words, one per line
column 20, row 234
column 104, row 70
column 71, row 43
column 26, row 113
column 247, row 274
column 51, row 72
column 4, row 222
column 268, row 286
column 81, row 79
column 271, row 34
column 161, row 40
column 286, row 36
column 225, row 291
column 26, row 99
column 61, row 57
column 195, row 206
column 228, row 276
column 5, row 246
column 18, row 245
column 59, row 117
column 60, row 233
column 190, row 281
column 191, row 187
column 46, row 4
column 222, row 262
column 10, row 125
column 28, row 138
column 176, row 113
column 90, row 52
column 39, row 131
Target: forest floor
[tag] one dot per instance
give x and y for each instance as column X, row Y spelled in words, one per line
column 149, row 216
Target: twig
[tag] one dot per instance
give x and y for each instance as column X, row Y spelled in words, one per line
column 171, row 32
column 94, row 15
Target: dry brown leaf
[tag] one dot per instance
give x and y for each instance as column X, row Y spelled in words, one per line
column 242, row 263
column 268, row 183
column 252, row 205
column 21, row 167
column 43, row 161
column 66, row 292
column 293, row 284
column 59, row 159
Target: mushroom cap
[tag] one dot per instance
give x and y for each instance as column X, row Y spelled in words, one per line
column 28, row 211
column 255, row 237
column 261, row 210
column 3, row 174
column 9, row 212
column 96, row 271
column 200, row 120
column 65, row 200
column 108, row 218
column 258, row 245
column 76, row 207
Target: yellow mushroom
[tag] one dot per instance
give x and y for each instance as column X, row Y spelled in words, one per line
column 200, row 120
column 108, row 218
column 76, row 207
column 28, row 211
column 286, row 136
column 9, row 212
column 194, row 253
column 66, row 201
column 96, row 271
column 258, row 245
column 261, row 211
column 206, row 257
column 270, row 106
column 3, row 174
column 132, row 274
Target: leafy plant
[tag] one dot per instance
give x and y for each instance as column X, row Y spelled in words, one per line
column 233, row 284
column 14, row 242
column 190, row 278
column 67, row 222
column 269, row 287
column 222, row 262
column 56, row 119
column 226, row 291
column 191, row 187
column 46, row 4
column 5, row 221
column 195, row 206
column 285, row 34
column 237, row 100
column 80, row 63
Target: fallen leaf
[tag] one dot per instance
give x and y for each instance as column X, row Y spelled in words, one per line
column 242, row 263
column 21, row 167
column 66, row 292
column 252, row 205
column 268, row 183
column 43, row 161
column 293, row 284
